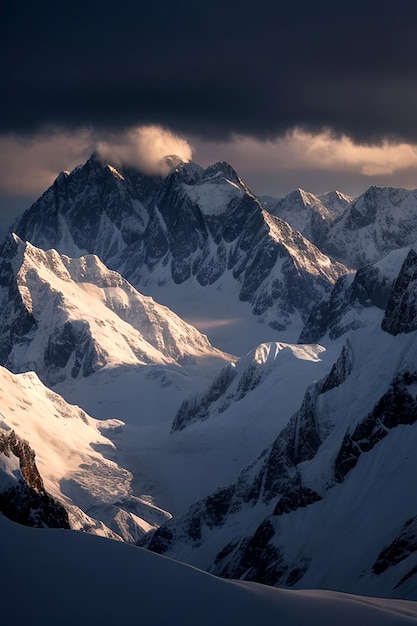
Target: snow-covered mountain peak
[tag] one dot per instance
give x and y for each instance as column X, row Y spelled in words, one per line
column 189, row 172
column 71, row 317
column 311, row 215
column 213, row 194
column 196, row 228
column 336, row 201
column 246, row 379
column 380, row 220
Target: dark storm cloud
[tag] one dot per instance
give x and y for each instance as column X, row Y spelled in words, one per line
column 212, row 68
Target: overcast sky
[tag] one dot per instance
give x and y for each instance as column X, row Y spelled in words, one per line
column 318, row 95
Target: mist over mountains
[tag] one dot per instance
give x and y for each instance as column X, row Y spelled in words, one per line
column 223, row 379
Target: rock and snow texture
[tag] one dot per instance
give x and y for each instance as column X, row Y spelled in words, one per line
column 270, row 370
column 196, row 226
column 94, row 209
column 75, row 464
column 343, row 466
column 311, row 215
column 401, row 312
column 326, row 503
column 23, row 497
column 106, row 582
column 71, row 317
column 359, row 300
column 379, row 221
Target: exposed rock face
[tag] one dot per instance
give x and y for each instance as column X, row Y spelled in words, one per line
column 197, row 407
column 273, row 479
column 237, row 381
column 95, row 209
column 401, row 312
column 397, row 406
column 379, row 221
column 266, row 526
column 196, row 223
column 23, row 498
column 399, row 550
column 19, row 321
column 353, row 300
column 71, row 317
column 309, row 214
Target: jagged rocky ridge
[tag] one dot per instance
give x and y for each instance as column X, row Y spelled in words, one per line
column 356, row 300
column 280, row 522
column 196, row 223
column 401, row 312
column 312, row 215
column 380, row 220
column 23, row 497
column 238, row 380
column 71, row 317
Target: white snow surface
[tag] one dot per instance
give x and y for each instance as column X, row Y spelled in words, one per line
column 311, row 215
column 216, row 310
column 74, row 455
column 213, row 195
column 126, row 327
column 341, row 536
column 181, row 468
column 91, row 580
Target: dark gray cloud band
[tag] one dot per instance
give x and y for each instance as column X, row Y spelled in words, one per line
column 212, row 68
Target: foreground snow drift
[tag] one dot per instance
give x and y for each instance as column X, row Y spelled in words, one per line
column 72, row 578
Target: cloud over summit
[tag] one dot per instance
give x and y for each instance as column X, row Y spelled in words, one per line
column 145, row 148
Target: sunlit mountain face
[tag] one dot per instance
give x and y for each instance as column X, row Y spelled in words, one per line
column 223, row 379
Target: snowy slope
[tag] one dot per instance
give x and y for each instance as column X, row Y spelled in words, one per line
column 71, row 317
column 330, row 474
column 279, row 371
column 104, row 582
column 379, row 221
column 311, row 215
column 75, row 459
column 356, row 301
column 197, row 227
column 180, row 466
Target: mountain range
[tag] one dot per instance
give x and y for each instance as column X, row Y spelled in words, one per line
column 260, row 422
column 193, row 241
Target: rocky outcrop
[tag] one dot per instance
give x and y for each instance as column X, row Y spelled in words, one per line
column 273, row 480
column 401, row 311
column 379, row 221
column 349, row 305
column 404, row 545
column 264, row 527
column 196, row 408
column 24, row 498
column 309, row 214
column 396, row 407
column 19, row 321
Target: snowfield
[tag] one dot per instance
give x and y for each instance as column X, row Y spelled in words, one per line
column 71, row 578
